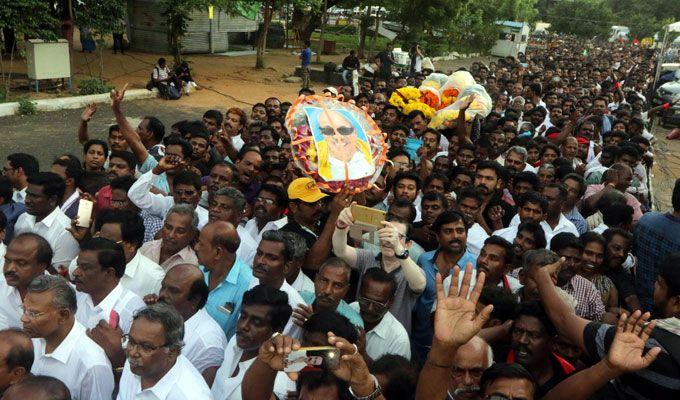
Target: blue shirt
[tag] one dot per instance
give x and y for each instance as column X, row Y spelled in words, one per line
column 577, row 219
column 306, row 57
column 343, row 309
column 656, row 235
column 422, row 325
column 161, row 181
column 228, row 295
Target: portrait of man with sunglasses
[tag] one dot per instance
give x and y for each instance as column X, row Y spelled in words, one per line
column 342, row 148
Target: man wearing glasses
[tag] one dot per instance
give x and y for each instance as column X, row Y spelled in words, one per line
column 384, row 333
column 62, row 348
column 155, row 367
column 270, row 204
column 186, row 189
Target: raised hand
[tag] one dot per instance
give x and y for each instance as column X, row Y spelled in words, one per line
column 301, row 314
column 625, row 354
column 117, row 96
column 345, row 218
column 88, row 112
column 352, row 367
column 341, row 200
column 455, row 320
column 273, row 351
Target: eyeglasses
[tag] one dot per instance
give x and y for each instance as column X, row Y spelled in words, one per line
column 330, row 131
column 368, row 302
column 128, row 343
column 33, row 314
column 265, row 200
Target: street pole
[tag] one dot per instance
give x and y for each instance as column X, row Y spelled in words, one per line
column 211, row 11
column 323, row 26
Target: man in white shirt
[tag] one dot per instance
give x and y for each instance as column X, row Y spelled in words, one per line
column 18, row 167
column 228, row 204
column 268, row 209
column 495, row 259
column 101, row 264
column 204, row 340
column 40, row 387
column 16, row 353
column 384, row 333
column 469, row 202
column 272, row 262
column 516, row 160
column 142, row 276
column 43, row 216
column 28, row 256
column 295, row 277
column 70, row 171
column 180, row 228
column 186, row 189
column 555, row 221
column 264, row 311
column 532, row 207
column 61, row 347
column 155, row 369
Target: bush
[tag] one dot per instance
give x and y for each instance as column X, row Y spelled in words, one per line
column 3, row 95
column 93, row 86
column 27, row 107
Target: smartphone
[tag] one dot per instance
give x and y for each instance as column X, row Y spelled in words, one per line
column 85, row 213
column 367, row 216
column 311, row 359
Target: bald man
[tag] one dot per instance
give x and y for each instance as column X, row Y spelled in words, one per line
column 204, row 341
column 16, row 357
column 38, row 387
column 227, row 276
column 471, row 360
column 343, row 148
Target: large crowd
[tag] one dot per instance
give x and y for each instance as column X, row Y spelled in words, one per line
column 519, row 257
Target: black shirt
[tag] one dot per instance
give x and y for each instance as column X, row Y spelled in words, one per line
column 350, row 62
column 509, row 210
column 294, row 227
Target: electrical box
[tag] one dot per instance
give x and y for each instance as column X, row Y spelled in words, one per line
column 47, row 60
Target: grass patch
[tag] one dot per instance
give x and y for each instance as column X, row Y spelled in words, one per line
column 27, row 107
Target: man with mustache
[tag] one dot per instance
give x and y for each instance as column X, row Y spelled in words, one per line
column 331, row 285
column 452, row 236
column 121, row 164
column 306, row 207
column 532, row 207
column 469, row 203
column 432, row 205
column 248, row 165
column 495, row 260
column 273, row 260
column 204, row 341
column 227, row 276
column 221, row 175
column 530, row 236
column 61, row 346
column 180, row 228
column 28, row 256
column 155, row 365
column 384, row 334
column 619, row 243
column 531, row 343
column 43, row 216
column 470, row 361
column 265, row 312
column 229, row 205
column 490, row 178
column 268, row 210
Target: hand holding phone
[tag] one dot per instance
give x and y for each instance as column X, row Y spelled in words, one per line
column 84, row 213
column 311, row 358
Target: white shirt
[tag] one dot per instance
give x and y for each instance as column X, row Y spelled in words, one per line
column 120, row 300
column 227, row 387
column 248, row 247
column 508, row 233
column 3, row 251
column 476, row 236
column 357, row 168
column 181, row 382
column 256, row 234
column 10, row 306
column 142, row 276
column 530, row 168
column 53, row 229
column 388, row 337
column 160, row 73
column 78, row 362
column 563, row 225
column 204, row 341
column 600, row 228
column 19, row 196
column 155, row 203
column 302, row 282
column 294, row 299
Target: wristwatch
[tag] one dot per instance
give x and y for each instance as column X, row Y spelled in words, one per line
column 402, row 256
column 376, row 392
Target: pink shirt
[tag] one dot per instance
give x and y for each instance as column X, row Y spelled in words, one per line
column 630, row 199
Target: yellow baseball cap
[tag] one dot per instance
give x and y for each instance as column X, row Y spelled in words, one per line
column 305, row 189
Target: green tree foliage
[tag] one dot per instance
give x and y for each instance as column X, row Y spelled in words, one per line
column 586, row 18
column 101, row 19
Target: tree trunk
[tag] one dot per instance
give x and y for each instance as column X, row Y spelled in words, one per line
column 262, row 38
column 363, row 31
column 305, row 22
column 8, row 80
column 375, row 34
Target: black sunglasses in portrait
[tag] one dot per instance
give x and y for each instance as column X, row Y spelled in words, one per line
column 343, row 130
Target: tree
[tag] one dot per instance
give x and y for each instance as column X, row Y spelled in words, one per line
column 102, row 19
column 27, row 19
column 585, row 18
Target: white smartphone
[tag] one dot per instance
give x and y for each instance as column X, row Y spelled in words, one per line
column 85, row 213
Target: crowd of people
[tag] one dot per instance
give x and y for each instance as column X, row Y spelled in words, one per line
column 519, row 257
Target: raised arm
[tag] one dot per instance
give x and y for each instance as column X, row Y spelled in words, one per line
column 321, row 249
column 561, row 314
column 128, row 132
column 625, row 356
column 455, row 323
column 258, row 381
column 85, row 117
column 140, row 191
column 415, row 277
column 340, row 247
